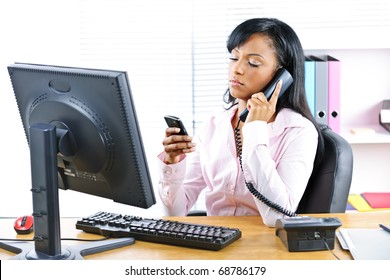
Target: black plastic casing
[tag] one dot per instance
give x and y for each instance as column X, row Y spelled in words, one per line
column 304, row 233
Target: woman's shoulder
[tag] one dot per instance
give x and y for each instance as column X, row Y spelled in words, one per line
column 288, row 119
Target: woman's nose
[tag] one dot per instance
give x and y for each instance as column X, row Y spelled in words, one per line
column 237, row 68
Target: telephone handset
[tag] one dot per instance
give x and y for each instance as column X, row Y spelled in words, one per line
column 285, row 76
column 281, row 74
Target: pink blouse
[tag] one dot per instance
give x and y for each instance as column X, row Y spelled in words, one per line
column 276, row 157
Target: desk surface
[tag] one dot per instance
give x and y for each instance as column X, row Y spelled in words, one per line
column 257, row 241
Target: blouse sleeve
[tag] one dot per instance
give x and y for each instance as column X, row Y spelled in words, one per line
column 283, row 179
column 181, row 183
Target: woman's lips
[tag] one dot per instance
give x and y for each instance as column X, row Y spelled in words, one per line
column 235, row 83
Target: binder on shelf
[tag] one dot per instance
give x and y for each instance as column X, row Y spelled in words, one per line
column 310, row 84
column 384, row 115
column 349, row 207
column 333, row 93
column 321, row 78
column 361, row 204
column 377, row 199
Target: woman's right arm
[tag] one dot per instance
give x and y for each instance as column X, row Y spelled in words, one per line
column 178, row 195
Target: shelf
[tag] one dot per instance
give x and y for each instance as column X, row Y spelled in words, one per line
column 378, row 135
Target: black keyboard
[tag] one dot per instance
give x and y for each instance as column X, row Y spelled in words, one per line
column 159, row 231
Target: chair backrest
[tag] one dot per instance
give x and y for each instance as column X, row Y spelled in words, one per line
column 328, row 187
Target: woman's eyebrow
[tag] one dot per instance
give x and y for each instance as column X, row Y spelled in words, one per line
column 236, row 50
column 255, row 54
column 249, row 54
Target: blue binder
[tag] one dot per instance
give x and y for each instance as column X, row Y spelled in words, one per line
column 321, row 103
column 310, row 84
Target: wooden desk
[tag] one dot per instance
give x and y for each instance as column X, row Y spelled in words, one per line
column 257, row 241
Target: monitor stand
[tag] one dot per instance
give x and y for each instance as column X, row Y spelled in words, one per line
column 26, row 251
column 44, row 139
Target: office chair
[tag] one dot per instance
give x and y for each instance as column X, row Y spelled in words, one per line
column 328, row 187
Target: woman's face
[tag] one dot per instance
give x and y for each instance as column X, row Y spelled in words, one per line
column 251, row 67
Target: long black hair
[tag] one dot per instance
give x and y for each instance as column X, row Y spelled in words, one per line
column 289, row 54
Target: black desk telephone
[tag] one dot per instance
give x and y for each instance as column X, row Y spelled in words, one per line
column 305, row 233
column 281, row 74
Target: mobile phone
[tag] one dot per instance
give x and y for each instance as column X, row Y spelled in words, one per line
column 281, row 74
column 173, row 121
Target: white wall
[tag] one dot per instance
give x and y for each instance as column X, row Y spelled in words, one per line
column 38, row 32
column 29, row 33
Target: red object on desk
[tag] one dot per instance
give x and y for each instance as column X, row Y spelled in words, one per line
column 377, row 199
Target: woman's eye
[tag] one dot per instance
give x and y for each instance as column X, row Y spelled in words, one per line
column 254, row 64
column 250, row 63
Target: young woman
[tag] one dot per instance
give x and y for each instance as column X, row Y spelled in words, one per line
column 271, row 154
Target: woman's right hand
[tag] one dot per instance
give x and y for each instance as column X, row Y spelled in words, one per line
column 176, row 145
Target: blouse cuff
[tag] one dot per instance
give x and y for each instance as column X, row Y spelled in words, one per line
column 171, row 172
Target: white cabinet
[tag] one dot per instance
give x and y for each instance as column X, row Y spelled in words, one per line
column 371, row 168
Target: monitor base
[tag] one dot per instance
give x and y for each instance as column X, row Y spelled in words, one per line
column 25, row 250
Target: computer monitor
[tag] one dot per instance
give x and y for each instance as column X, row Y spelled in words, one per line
column 83, row 134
